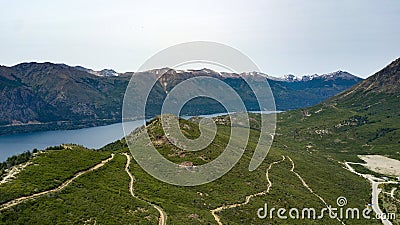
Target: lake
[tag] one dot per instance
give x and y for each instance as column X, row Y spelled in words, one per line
column 93, row 137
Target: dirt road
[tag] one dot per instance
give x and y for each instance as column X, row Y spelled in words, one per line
column 247, row 199
column 163, row 216
column 375, row 190
column 59, row 188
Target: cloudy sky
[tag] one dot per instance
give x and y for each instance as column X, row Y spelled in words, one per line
column 283, row 36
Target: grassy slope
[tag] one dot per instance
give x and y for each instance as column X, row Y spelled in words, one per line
column 101, row 197
column 239, row 182
column 49, row 170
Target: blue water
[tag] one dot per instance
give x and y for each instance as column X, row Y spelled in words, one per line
column 94, row 137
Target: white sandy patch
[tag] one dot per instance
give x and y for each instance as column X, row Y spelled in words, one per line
column 382, row 164
column 13, row 172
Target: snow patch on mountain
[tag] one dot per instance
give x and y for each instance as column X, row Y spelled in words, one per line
column 101, row 73
column 328, row 76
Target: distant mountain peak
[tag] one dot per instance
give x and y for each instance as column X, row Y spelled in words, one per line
column 340, row 74
column 328, row 76
column 101, row 73
column 108, row 73
column 290, row 78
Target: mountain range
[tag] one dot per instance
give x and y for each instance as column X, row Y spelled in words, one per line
column 46, row 96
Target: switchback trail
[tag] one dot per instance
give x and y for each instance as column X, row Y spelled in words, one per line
column 163, row 216
column 248, row 197
column 219, row 209
column 59, row 188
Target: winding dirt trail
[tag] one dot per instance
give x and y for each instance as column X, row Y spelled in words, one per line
column 248, row 197
column 59, row 188
column 219, row 209
column 163, row 216
column 393, row 196
column 308, row 187
column 392, row 192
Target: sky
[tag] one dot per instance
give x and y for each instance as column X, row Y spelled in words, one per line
column 281, row 37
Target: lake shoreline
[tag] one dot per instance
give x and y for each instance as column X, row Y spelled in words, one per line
column 93, row 137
